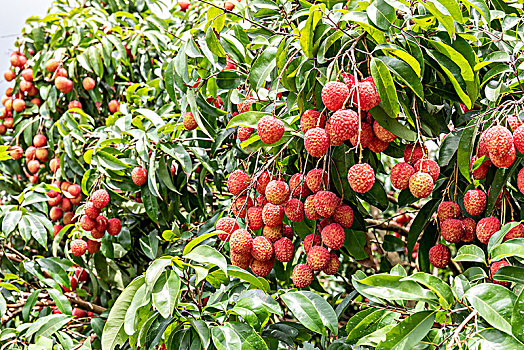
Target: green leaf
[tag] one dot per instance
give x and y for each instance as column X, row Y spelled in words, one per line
column 494, row 303
column 472, row 253
column 420, row 222
column 465, row 148
column 511, row 274
column 203, row 332
column 237, row 272
column 501, row 177
column 114, row 333
column 392, row 124
column 257, row 301
column 381, row 14
column 249, row 119
column 205, row 254
column 441, row 14
column 262, row 67
column 31, row 226
column 165, row 293
column 169, row 80
column 363, row 323
column 249, row 338
column 30, row 303
column 307, row 33
column 514, row 247
column 312, row 311
column 449, row 147
column 404, row 73
column 10, row 221
column 150, row 203
column 61, row 302
column 225, row 338
column 498, row 236
column 213, row 44
column 482, row 8
column 196, row 241
column 409, row 332
column 179, row 153
column 386, row 87
column 395, row 288
column 229, row 79
column 156, row 268
column 494, row 339
column 441, row 289
column 402, row 54
column 517, row 317
column 47, row 326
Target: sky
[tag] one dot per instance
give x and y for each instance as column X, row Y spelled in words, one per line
column 12, row 20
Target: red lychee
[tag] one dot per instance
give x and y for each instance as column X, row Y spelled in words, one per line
column 273, row 233
column 361, row 177
column 284, row 249
column 316, row 180
column 309, row 208
column 343, row 124
column 515, row 232
column 486, row 227
column 366, row 136
column 312, row 119
column 382, row 133
column 294, row 210
column 241, row 205
column 421, row 184
column 325, row 203
column 139, row 176
column 343, row 215
column 482, row 171
column 262, row 268
column 469, row 229
column 497, row 266
column 400, row 175
column 520, row 180
column 514, row 122
column 262, row 248
column 240, row 241
column 498, row 140
column 277, row 192
column 311, row 240
column 270, row 129
column 316, row 142
column 78, row 247
column 226, row 224
column 333, row 236
column 114, row 226
column 506, row 160
column 366, row 94
column 272, row 215
column 189, row 121
column 439, row 256
column 413, row 152
column 114, row 106
column 378, row 146
column 475, row 202
column 100, row 198
column 333, row 264
column 241, row 260
column 298, row 186
column 302, row 276
column 88, row 83
column 74, row 190
column 448, row 210
column 91, row 211
column 287, row 231
column 334, row 94
column 244, row 133
column 87, row 223
column 93, row 246
column 318, row 258
column 452, row 230
column 428, row 166
column 254, row 215
column 262, row 182
column 238, row 181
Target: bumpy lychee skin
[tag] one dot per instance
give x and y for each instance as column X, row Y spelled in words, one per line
column 333, row 264
column 428, row 166
column 91, row 211
column 318, row 258
column 400, row 175
column 254, row 216
column 74, row 190
column 241, row 241
column 189, row 121
column 78, row 247
column 244, row 133
column 241, row 260
column 439, row 256
column 298, row 186
column 316, row 142
column 515, row 232
column 93, row 246
column 325, row 203
column 114, row 226
column 482, row 171
column 520, row 180
column 261, row 200
column 452, row 230
column 87, row 223
column 361, row 177
column 55, row 213
column 262, row 182
column 272, row 233
column 294, row 210
column 262, row 268
column 100, row 199
column 241, row 205
column 486, row 227
column 413, row 152
column 448, row 210
column 238, row 181
column 518, row 138
column 334, row 94
column 497, row 266
column 226, row 224
column 469, row 229
column 270, row 129
column 262, row 248
column 245, row 105
column 366, row 136
column 343, row 124
column 333, row 236
column 287, row 231
column 311, row 240
column 475, row 202
column 312, row 119
column 333, row 140
column 284, row 249
column 343, row 216
column 367, row 96
column 506, row 160
column 382, row 134
column 272, row 215
column 498, row 140
column 277, row 192
column 316, row 180
column 514, row 122
column 139, row 176
column 378, row 146
column 421, row 184
column 302, row 276
column 309, row 208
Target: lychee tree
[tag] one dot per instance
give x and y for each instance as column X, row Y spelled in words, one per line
column 270, row 175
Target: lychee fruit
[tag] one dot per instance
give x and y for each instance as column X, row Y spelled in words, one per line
column 273, row 233
column 114, row 106
column 420, row 184
column 54, row 164
column 87, row 223
column 366, row 136
column 469, row 229
column 277, row 192
column 316, row 180
column 312, row 119
column 318, row 258
column 272, row 215
column 238, row 181
column 400, row 175
column 244, row 133
column 486, row 227
column 33, row 166
column 93, row 246
column 51, row 65
column 57, row 229
column 325, row 203
column 343, row 216
column 475, row 202
column 428, row 166
column 498, row 140
column 262, row 248
column 241, row 260
column 520, row 180
column 189, row 121
column 241, row 241
column 361, row 177
column 139, row 176
column 482, row 171
column 309, row 208
column 55, row 213
column 100, row 198
column 245, row 105
column 101, row 223
column 382, row 133
column 254, row 215
column 284, row 249
column 241, row 205
column 64, row 85
column 439, row 256
column 74, row 190
column 334, row 94
column 514, row 122
column 88, row 83
column 506, row 160
column 377, row 146
column 343, row 124
column 270, row 129
column 333, row 140
column 333, row 236
column 294, row 210
column 78, row 247
column 452, row 230
column 262, row 268
column 114, row 226
column 333, row 264
column 497, row 266
column 91, row 211
column 448, row 210
column 316, row 142
column 226, row 224
column 413, row 152
column 298, row 186
column 262, row 182
column 515, row 232
column 311, row 240
column 366, row 95
column 302, row 276
column 287, row 231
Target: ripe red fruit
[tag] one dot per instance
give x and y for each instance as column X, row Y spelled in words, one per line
column 333, row 236
column 515, row 232
column 262, row 182
column 25, row 86
column 333, row 264
column 366, row 136
column 262, row 268
column 139, row 176
column 273, row 233
column 298, row 186
column 334, row 94
column 270, row 129
column 30, row 153
column 189, row 121
column 226, row 224
column 100, row 198
column 413, row 152
column 428, row 166
column 520, row 180
column 448, row 210
column 16, row 152
column 316, row 179
column 367, row 96
column 87, row 223
column 497, row 266
column 78, row 247
column 238, row 181
column 469, row 229
column 74, row 190
column 93, row 246
column 114, row 226
column 287, row 231
column 51, row 65
column 228, row 5
column 482, row 171
column 316, row 142
column 33, row 166
column 63, row 84
column 241, row 241
column 42, row 154
column 514, row 122
column 74, row 104
column 39, row 141
column 486, row 227
column 325, row 203
column 88, row 83
column 244, row 133
column 498, row 140
column 241, row 205
column 262, row 248
column 284, row 249
column 27, row 74
column 68, row 218
column 101, row 223
column 91, row 211
column 452, row 230
column 302, row 276
column 361, row 177
column 277, row 192
column 439, row 256
column 318, row 258
column 254, row 217
column 312, row 119
column 343, row 124
column 506, row 159
column 114, row 106
column 81, row 274
column 272, row 215
column 475, row 202
column 421, row 184
column 241, row 260
column 54, row 164
column 309, row 208
column 400, row 175
column 245, row 105
column 56, row 229
column 294, row 210
column 18, row 105
column 343, row 215
column 79, row 313
column 66, row 204
column 9, row 75
column 184, row 5
column 382, row 134
column 311, row 240
column 55, row 200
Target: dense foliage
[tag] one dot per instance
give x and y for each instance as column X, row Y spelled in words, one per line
column 372, row 149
